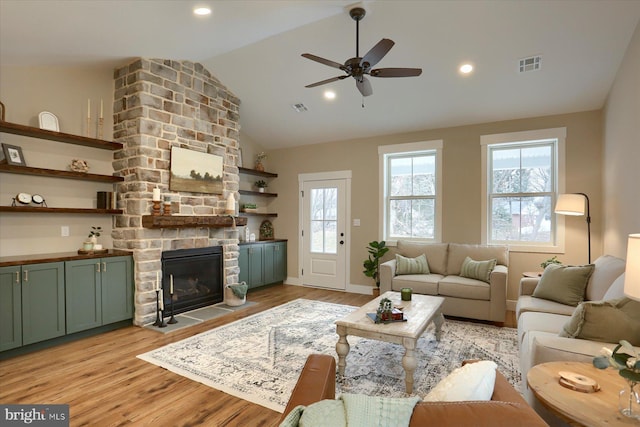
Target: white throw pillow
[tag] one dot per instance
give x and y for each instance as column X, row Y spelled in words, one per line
column 473, row 381
column 616, row 290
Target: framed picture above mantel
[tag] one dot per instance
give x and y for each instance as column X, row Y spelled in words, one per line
column 195, row 171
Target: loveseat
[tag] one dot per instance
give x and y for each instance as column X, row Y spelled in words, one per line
column 506, row 407
column 549, row 330
column 464, row 296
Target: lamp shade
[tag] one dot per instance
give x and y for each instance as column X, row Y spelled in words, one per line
column 570, row 204
column 632, row 270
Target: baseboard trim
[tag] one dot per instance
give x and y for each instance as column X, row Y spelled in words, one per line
column 351, row 288
column 511, row 305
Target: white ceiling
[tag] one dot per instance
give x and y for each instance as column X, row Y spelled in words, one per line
column 254, row 48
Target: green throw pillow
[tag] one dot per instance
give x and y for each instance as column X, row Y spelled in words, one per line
column 605, row 321
column 564, row 284
column 417, row 265
column 479, row 270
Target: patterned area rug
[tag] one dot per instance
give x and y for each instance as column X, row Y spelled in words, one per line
column 259, row 358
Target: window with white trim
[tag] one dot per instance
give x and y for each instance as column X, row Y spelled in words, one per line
column 411, row 185
column 523, row 173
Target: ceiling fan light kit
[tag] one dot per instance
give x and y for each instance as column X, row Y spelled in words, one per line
column 358, row 67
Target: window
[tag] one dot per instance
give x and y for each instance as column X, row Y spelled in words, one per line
column 523, row 173
column 410, row 182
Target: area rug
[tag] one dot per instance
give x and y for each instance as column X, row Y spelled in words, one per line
column 259, row 358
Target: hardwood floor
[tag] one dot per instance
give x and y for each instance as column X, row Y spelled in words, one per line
column 106, row 385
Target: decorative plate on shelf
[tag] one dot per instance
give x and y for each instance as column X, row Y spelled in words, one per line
column 266, row 230
column 48, row 121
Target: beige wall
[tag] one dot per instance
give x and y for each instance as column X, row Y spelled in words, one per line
column 622, row 153
column 25, row 92
column 461, row 191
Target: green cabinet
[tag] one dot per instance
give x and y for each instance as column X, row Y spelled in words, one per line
column 262, row 263
column 10, row 307
column 98, row 292
column 43, row 305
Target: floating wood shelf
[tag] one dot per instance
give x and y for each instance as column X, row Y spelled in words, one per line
column 273, row 215
column 257, row 173
column 33, row 209
column 257, row 193
column 50, row 135
column 52, row 173
column 180, row 221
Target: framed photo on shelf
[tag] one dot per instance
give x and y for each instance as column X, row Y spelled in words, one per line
column 13, row 155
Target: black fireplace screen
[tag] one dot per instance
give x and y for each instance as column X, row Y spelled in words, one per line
column 192, row 278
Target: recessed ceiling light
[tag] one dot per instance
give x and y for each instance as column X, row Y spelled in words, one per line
column 202, row 11
column 329, row 94
column 466, row 68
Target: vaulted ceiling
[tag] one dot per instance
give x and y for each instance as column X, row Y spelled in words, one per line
column 254, row 48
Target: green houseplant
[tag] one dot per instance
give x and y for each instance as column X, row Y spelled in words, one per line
column 553, row 260
column 260, row 185
column 372, row 264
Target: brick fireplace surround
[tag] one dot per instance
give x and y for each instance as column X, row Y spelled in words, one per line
column 159, row 104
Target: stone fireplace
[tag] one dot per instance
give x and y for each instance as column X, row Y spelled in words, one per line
column 159, row 104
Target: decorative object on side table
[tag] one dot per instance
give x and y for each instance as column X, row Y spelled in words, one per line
column 372, row 264
column 259, row 158
column 266, row 230
column 553, row 260
column 13, row 155
column 79, row 165
column 628, row 365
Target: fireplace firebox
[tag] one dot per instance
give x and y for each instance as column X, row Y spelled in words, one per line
column 197, row 277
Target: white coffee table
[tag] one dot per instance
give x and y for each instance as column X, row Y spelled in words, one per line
column 420, row 312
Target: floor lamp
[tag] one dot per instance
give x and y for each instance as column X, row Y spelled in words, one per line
column 632, row 270
column 574, row 204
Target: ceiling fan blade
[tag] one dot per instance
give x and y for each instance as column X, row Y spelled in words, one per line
column 396, row 72
column 377, row 53
column 364, row 86
column 332, row 79
column 323, row 61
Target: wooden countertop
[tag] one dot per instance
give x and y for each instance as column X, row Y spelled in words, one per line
column 8, row 261
column 260, row 242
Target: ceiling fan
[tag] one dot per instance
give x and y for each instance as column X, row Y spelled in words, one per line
column 358, row 67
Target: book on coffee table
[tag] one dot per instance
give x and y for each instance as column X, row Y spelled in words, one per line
column 373, row 317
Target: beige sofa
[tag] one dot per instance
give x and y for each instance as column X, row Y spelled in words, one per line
column 540, row 321
column 464, row 297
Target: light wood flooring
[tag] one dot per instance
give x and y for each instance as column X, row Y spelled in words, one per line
column 106, row 385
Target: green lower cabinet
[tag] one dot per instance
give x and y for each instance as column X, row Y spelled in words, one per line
column 43, row 302
column 117, row 289
column 10, row 307
column 275, row 262
column 262, row 263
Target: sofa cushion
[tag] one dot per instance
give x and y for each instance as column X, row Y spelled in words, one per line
column 536, row 321
column 458, row 252
column 479, row 270
column 465, row 288
column 426, row 284
column 616, row 290
column 564, row 284
column 436, row 253
column 527, row 303
column 607, row 269
column 606, row 321
column 417, row 265
column 473, row 381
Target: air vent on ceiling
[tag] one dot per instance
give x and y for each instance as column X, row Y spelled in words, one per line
column 300, row 107
column 532, row 63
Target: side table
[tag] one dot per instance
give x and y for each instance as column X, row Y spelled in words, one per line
column 579, row 409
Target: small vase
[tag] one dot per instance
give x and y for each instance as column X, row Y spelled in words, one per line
column 259, row 167
column 629, row 401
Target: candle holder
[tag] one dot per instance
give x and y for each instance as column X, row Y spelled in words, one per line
column 156, row 208
column 162, row 324
column 158, row 321
column 100, row 127
column 172, row 320
column 167, row 209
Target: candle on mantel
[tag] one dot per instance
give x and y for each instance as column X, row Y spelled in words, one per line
column 101, row 108
column 171, row 284
column 161, row 300
column 156, row 194
column 88, row 108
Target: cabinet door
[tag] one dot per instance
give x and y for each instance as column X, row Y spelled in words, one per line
column 256, row 277
column 83, row 295
column 280, row 262
column 243, row 264
column 117, row 289
column 43, row 314
column 10, row 308
column 268, row 258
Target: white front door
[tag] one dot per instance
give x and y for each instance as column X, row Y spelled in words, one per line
column 323, row 239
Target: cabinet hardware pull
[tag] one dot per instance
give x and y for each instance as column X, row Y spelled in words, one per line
column 17, row 277
column 25, row 276
column 104, row 267
column 97, row 267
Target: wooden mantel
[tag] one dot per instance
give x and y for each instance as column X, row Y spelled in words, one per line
column 180, row 221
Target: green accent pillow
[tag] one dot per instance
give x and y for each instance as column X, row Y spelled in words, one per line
column 479, row 270
column 564, row 284
column 605, row 321
column 417, row 265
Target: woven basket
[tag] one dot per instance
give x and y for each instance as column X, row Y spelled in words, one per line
column 231, row 299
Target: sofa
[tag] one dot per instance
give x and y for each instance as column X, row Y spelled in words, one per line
column 506, row 407
column 464, row 296
column 545, row 333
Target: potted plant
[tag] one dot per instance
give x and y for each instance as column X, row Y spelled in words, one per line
column 372, row 264
column 93, row 237
column 553, row 260
column 261, row 185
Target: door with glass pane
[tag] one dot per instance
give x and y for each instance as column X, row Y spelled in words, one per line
column 324, row 263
